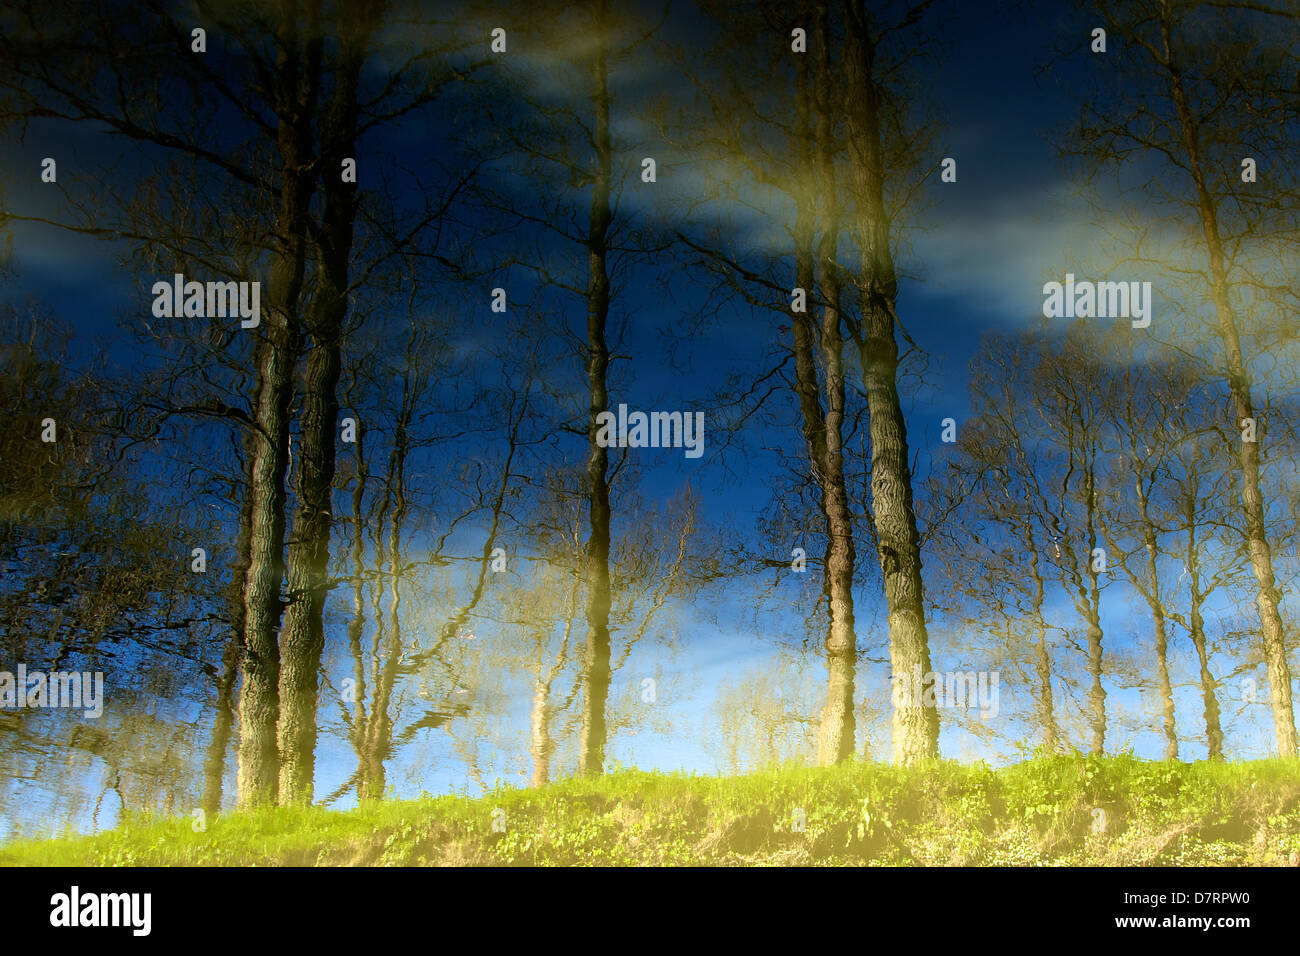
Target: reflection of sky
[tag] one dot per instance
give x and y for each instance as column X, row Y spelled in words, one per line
column 980, row 253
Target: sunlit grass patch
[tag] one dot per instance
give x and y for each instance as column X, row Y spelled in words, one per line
column 1054, row 810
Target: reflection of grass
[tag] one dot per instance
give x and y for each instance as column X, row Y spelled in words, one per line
column 1060, row 810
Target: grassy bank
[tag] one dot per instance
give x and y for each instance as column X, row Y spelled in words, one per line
column 1048, row 811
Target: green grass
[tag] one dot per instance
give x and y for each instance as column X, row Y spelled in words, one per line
column 1053, row 811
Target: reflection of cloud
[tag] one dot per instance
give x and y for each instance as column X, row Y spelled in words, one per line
column 995, row 255
column 49, row 252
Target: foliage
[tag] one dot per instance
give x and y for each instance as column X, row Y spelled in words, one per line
column 1040, row 812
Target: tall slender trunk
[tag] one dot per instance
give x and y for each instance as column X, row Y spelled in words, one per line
column 544, row 677
column 1158, row 619
column 376, row 737
column 591, row 759
column 377, row 741
column 259, row 707
column 916, row 724
column 381, row 739
column 1272, row 632
column 1196, row 628
column 214, row 766
column 836, row 735
column 1044, row 704
column 808, row 390
column 303, row 636
column 1090, row 598
column 259, row 701
column 542, row 746
column 357, row 624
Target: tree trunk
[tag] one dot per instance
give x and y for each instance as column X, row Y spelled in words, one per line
column 542, row 744
column 1261, row 557
column 1091, row 600
column 214, row 767
column 357, row 624
column 1158, row 618
column 1045, row 703
column 259, row 702
column 303, row 638
column 836, row 735
column 591, row 758
column 1213, row 728
column 259, row 705
column 378, row 738
column 380, row 741
column 916, row 724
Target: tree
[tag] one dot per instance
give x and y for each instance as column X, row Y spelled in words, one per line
column 1204, row 85
column 286, row 101
column 89, row 546
column 560, row 119
column 1140, row 399
column 790, row 164
column 302, row 638
column 1040, row 399
column 916, row 725
column 990, row 550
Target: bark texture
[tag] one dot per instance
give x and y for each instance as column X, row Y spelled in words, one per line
column 836, row 735
column 591, row 758
column 303, row 639
column 916, row 724
column 297, row 85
